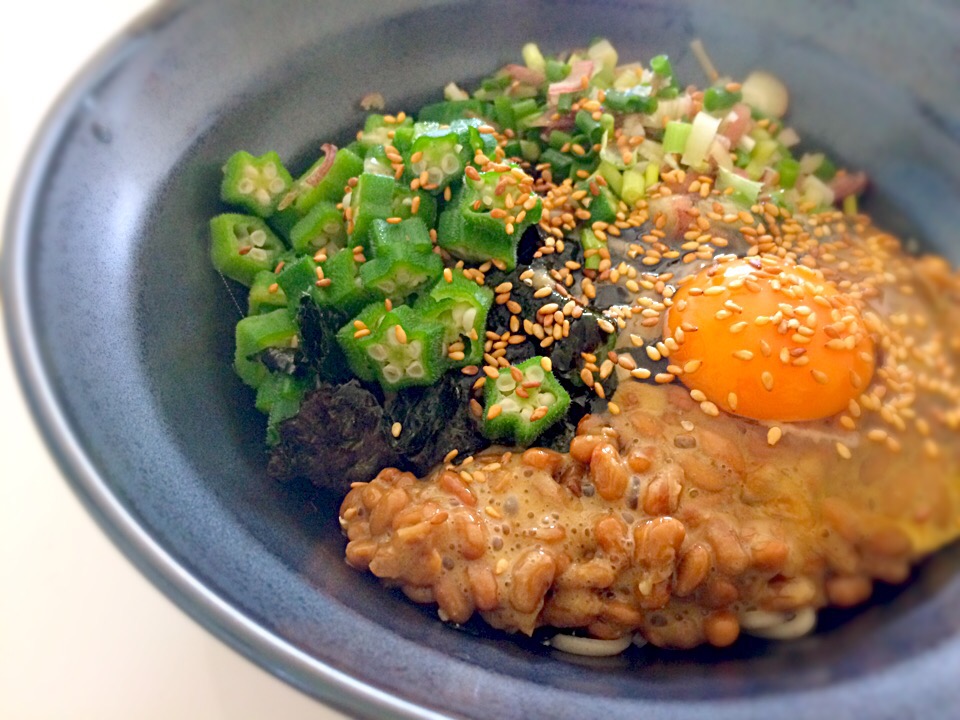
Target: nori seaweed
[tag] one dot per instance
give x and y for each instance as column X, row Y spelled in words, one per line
column 337, row 438
column 318, row 340
column 585, row 336
column 342, row 433
column 435, row 419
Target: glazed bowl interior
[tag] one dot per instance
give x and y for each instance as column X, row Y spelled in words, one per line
column 123, row 332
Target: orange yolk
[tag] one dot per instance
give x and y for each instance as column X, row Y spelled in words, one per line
column 769, row 340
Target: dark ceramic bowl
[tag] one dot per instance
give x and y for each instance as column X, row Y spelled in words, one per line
column 122, row 334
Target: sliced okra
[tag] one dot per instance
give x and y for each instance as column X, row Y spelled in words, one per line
column 255, row 183
column 522, row 402
column 243, row 245
column 397, row 348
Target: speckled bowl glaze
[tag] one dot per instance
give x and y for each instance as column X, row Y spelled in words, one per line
column 122, row 334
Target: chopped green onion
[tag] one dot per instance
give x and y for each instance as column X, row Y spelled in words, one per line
column 652, row 175
column 604, row 53
column 590, row 241
column 816, row 191
column 556, row 70
column 632, row 186
column 850, row 205
column 703, row 131
column 761, row 157
column 661, row 66
column 744, row 189
column 636, row 99
column 826, row 170
column 675, row 136
column 612, row 175
column 717, row 98
column 789, row 170
column 533, row 58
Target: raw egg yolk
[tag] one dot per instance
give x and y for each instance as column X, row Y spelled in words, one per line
column 770, row 340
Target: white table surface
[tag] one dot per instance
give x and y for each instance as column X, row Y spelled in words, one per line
column 82, row 633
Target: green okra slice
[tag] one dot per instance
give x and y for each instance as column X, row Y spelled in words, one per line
column 265, row 294
column 462, row 306
column 321, row 227
column 345, row 290
column 378, row 197
column 296, row 279
column 326, row 178
column 523, row 401
column 404, row 261
column 403, row 204
column 279, row 397
column 354, row 337
column 435, row 156
column 411, row 233
column 243, row 245
column 375, row 161
column 280, row 388
column 397, row 348
column 370, row 199
column 256, row 184
column 283, row 221
column 256, row 333
column 452, row 110
column 377, row 131
column 482, row 239
column 489, row 215
column 333, row 283
column 472, row 139
column 400, row 272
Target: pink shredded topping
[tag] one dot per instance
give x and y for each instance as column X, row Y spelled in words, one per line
column 573, row 81
column 521, row 73
column 321, row 172
column 736, row 123
column 845, row 184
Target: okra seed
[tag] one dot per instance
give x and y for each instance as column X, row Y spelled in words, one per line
column 535, row 374
column 509, row 405
column 505, row 384
column 450, row 164
column 416, row 370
